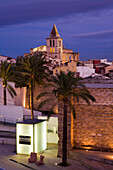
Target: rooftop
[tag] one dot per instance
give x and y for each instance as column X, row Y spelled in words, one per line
column 31, row 121
column 98, row 80
column 54, row 33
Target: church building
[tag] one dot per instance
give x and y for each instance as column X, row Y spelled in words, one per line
column 55, row 51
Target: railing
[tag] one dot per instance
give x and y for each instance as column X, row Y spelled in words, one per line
column 25, row 117
column 9, row 120
column 14, row 120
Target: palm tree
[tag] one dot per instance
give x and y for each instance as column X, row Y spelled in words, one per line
column 6, row 74
column 31, row 70
column 66, row 86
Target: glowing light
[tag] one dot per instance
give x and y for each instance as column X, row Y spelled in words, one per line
column 0, row 116
column 35, row 49
column 40, row 133
column 50, row 50
column 27, row 131
column 87, row 147
column 109, row 157
column 31, row 137
column 53, row 50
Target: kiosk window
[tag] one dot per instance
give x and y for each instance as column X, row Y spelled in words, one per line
column 25, row 140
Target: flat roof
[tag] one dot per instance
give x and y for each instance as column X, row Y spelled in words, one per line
column 31, row 121
column 91, row 85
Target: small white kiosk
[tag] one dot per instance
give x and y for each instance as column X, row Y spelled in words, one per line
column 31, row 136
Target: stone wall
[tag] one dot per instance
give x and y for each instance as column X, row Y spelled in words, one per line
column 93, row 127
column 39, row 89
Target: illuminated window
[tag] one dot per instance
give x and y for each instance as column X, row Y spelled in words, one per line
column 69, row 58
column 50, row 50
column 50, row 43
column 53, row 43
column 53, row 50
column 77, row 58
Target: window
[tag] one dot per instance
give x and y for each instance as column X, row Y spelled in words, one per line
column 50, row 43
column 66, row 64
column 69, row 58
column 50, row 50
column 59, row 43
column 77, row 58
column 53, row 43
column 59, row 50
column 53, row 50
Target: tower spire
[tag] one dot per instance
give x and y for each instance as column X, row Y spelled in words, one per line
column 54, row 33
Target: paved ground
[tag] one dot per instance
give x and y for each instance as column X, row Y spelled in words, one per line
column 9, row 160
column 104, row 155
column 96, row 160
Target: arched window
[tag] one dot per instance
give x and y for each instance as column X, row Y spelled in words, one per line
column 77, row 57
column 53, row 50
column 53, row 43
column 69, row 58
column 50, row 50
column 59, row 50
column 59, row 43
column 50, row 43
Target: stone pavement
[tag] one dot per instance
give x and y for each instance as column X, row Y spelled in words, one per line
column 93, row 159
column 9, row 160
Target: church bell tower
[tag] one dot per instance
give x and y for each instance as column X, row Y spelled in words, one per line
column 54, row 44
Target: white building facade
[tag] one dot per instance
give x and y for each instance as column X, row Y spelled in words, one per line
column 85, row 71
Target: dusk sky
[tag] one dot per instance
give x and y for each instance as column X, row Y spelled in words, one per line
column 86, row 26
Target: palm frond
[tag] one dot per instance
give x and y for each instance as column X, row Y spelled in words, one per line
column 11, row 90
column 51, row 109
column 43, row 103
column 42, row 94
column 67, row 85
column 73, row 111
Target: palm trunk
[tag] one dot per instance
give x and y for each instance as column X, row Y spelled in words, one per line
column 29, row 100
column 64, row 144
column 31, row 89
column 5, row 103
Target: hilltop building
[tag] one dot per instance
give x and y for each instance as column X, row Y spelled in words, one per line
column 9, row 59
column 55, row 51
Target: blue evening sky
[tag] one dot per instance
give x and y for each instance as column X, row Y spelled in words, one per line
column 86, row 26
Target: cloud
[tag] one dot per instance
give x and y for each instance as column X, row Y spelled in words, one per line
column 96, row 35
column 27, row 11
